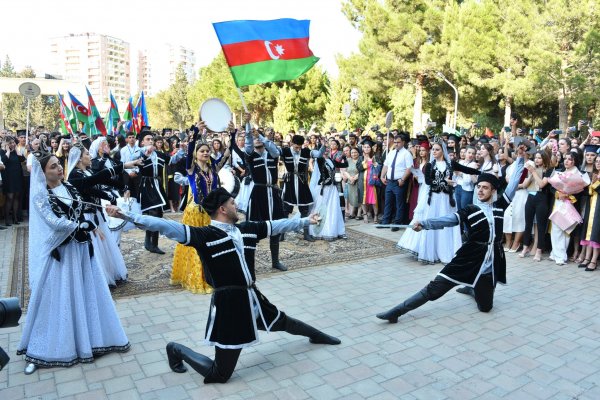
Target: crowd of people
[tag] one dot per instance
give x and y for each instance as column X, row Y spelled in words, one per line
column 66, row 183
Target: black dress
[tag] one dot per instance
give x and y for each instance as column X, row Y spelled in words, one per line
column 12, row 175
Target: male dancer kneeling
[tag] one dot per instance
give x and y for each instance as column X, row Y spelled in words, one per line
column 479, row 264
column 238, row 309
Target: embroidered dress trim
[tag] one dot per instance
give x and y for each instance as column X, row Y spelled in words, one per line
column 96, row 352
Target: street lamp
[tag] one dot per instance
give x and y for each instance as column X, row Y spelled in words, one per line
column 440, row 75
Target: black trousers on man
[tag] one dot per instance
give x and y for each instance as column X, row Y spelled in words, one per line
column 221, row 368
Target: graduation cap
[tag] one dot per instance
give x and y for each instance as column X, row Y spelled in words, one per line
column 483, row 140
column 21, row 132
column 591, row 148
column 167, row 130
column 453, row 137
column 367, row 140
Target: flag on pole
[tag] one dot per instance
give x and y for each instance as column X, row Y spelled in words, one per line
column 65, row 116
column 265, row 51
column 128, row 116
column 140, row 114
column 113, row 117
column 96, row 123
column 82, row 114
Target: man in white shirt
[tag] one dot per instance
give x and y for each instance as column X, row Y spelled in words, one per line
column 395, row 174
column 127, row 153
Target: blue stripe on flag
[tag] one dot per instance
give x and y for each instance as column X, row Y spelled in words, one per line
column 245, row 30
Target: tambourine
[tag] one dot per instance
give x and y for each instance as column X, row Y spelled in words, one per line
column 216, row 114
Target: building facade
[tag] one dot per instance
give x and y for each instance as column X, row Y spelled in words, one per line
column 100, row 62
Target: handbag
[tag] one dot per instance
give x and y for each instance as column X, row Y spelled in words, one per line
column 374, row 177
column 565, row 216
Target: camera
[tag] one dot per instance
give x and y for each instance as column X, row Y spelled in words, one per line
column 558, row 131
column 10, row 312
column 572, row 129
column 375, row 128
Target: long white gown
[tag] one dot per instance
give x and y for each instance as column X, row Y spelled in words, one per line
column 409, row 241
column 434, row 246
column 327, row 205
column 71, row 316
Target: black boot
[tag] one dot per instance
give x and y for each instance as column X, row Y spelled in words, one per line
column 148, row 242
column 307, row 236
column 416, row 301
column 155, row 243
column 176, row 353
column 296, row 327
column 275, row 254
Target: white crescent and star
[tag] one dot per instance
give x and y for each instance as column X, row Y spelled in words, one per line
column 81, row 109
column 278, row 49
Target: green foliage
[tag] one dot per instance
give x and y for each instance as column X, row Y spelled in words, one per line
column 44, row 110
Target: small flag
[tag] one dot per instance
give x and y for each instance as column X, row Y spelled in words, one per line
column 113, row 117
column 266, row 51
column 128, row 116
column 65, row 116
column 96, row 122
column 82, row 114
column 140, row 114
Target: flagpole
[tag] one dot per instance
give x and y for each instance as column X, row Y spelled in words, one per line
column 242, row 99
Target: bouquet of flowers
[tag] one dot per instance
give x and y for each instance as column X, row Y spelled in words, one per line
column 569, row 182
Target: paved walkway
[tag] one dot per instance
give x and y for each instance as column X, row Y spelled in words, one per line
column 539, row 342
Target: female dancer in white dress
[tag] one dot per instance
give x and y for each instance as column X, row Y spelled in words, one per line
column 71, row 316
column 433, row 246
column 327, row 202
column 106, row 250
column 410, row 238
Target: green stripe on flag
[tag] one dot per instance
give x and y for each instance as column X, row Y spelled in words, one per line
column 271, row 71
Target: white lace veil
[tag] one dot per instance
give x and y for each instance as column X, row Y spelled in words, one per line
column 46, row 230
column 440, row 141
column 74, row 156
column 95, row 146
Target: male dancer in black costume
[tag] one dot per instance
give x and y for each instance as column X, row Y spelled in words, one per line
column 479, row 264
column 296, row 192
column 238, row 309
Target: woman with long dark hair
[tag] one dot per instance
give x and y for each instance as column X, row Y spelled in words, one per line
column 12, row 180
column 538, row 204
column 71, row 317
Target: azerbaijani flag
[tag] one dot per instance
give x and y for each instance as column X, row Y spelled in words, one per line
column 82, row 114
column 113, row 117
column 266, row 51
column 65, row 114
column 128, row 116
column 140, row 114
column 96, row 122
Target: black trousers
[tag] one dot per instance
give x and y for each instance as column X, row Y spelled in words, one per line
column 536, row 206
column 226, row 359
column 483, row 290
column 287, row 210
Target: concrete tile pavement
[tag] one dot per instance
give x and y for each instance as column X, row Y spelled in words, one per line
column 539, row 341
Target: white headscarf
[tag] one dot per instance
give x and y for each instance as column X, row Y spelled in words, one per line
column 96, row 146
column 46, row 230
column 74, row 156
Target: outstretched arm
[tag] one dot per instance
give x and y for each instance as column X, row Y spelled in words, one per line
column 171, row 229
column 513, row 181
column 270, row 146
column 437, row 223
column 288, row 225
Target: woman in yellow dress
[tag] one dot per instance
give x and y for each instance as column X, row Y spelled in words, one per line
column 202, row 176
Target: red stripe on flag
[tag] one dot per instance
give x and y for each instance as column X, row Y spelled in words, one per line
column 262, row 50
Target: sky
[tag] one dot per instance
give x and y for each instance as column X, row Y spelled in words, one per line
column 28, row 25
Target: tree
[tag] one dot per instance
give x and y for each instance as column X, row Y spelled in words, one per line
column 284, row 115
column 177, row 99
column 400, row 45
